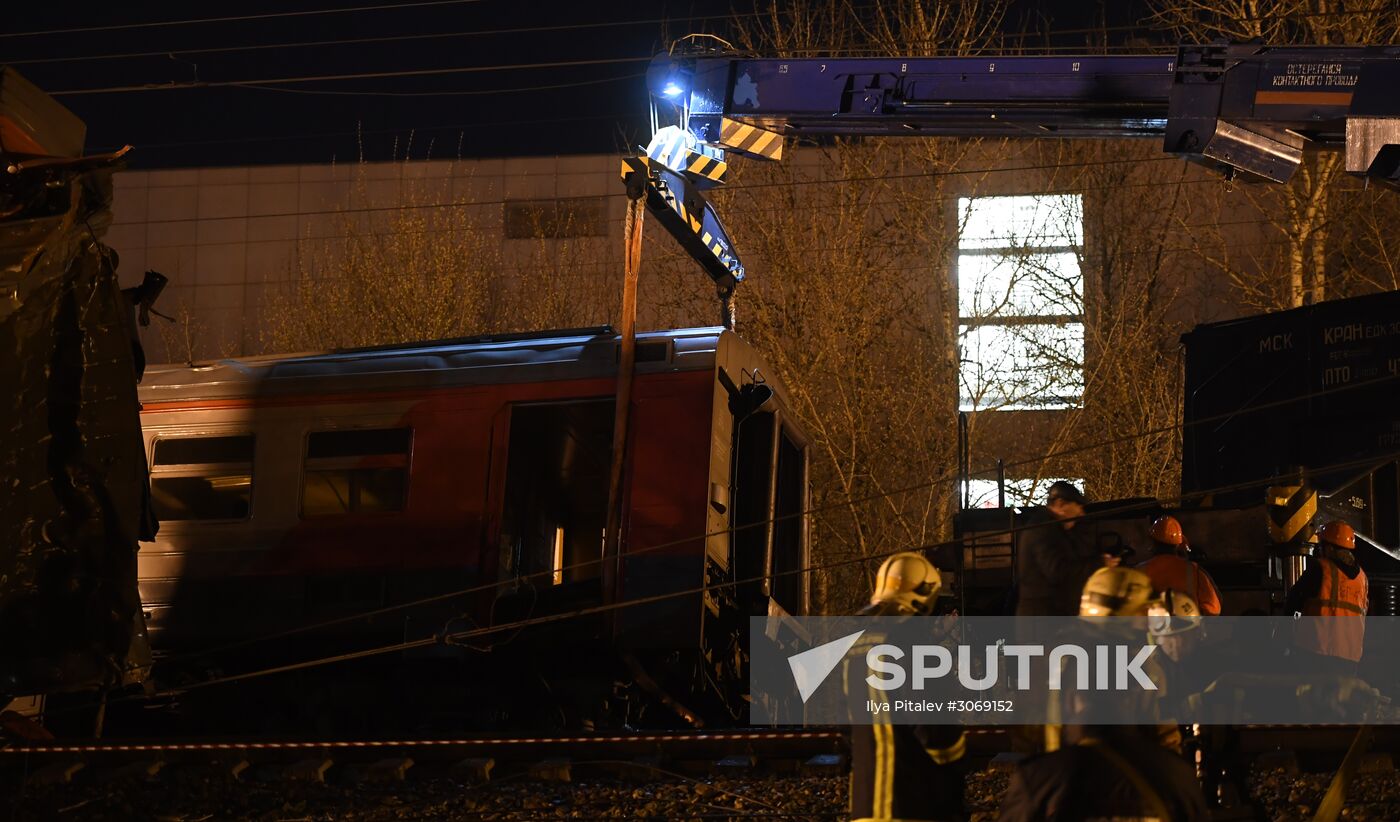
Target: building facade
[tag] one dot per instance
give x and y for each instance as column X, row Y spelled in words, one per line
column 1036, row 269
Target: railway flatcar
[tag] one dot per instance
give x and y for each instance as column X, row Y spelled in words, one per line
column 315, row 507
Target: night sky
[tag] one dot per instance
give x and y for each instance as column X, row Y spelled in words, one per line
column 550, row 110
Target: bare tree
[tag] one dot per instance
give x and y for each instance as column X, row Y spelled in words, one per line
column 180, row 335
column 421, row 273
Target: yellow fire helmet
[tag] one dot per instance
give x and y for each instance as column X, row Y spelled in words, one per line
column 1172, row 613
column 1116, row 591
column 909, row 580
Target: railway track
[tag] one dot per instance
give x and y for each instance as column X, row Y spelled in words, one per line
column 758, row 751
column 95, row 771
column 727, row 774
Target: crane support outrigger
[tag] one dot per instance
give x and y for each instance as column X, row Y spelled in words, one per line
column 1246, row 110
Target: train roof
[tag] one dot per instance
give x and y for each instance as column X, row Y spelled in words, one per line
column 533, row 357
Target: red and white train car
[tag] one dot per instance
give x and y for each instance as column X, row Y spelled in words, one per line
column 337, row 489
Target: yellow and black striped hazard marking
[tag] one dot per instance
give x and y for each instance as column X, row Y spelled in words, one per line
column 678, row 150
column 751, row 140
column 691, row 219
column 704, row 167
column 1291, row 509
column 638, row 166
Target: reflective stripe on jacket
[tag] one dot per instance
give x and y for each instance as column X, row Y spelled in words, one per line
column 1337, row 596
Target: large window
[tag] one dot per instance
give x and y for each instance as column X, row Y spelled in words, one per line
column 1020, row 492
column 202, row 478
column 1020, row 302
column 358, row 470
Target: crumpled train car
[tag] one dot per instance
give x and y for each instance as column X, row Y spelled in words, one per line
column 71, row 466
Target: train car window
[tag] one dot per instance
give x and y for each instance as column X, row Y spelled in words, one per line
column 202, row 478
column 788, row 531
column 359, row 470
column 556, row 496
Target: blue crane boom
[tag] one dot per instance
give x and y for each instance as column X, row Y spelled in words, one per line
column 1246, row 110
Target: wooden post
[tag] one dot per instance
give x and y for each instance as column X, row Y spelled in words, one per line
column 632, row 258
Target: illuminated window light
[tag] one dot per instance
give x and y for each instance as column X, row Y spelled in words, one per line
column 559, row 555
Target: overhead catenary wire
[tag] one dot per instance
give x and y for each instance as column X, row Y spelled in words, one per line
column 741, row 209
column 450, row 204
column 462, row 636
column 268, row 138
column 393, row 38
column 469, row 93
column 357, row 75
column 1009, row 252
column 582, row 269
column 347, row 212
column 781, row 208
column 1163, row 29
column 415, row 4
column 819, row 50
column 810, row 511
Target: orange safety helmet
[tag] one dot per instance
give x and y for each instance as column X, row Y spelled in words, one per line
column 1337, row 533
column 1167, row 531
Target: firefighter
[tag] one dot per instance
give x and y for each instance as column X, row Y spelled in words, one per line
column 1172, row 622
column 1116, row 591
column 1127, row 592
column 901, row 772
column 1333, row 586
column 1107, row 771
column 1171, row 570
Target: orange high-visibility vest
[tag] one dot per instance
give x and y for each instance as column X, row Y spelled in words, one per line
column 1337, row 596
column 1181, row 574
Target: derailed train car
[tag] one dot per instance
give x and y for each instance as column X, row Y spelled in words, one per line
column 458, row 489
column 71, row 468
column 1290, row 419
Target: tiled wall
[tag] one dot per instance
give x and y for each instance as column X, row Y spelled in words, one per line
column 227, row 237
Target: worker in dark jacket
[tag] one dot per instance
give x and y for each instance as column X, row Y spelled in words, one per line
column 1333, row 586
column 901, row 772
column 1054, row 559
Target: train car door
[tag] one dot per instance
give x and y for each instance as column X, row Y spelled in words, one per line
column 769, row 493
column 552, row 507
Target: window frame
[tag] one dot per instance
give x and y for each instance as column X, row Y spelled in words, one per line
column 350, row 464
column 201, row 469
column 785, row 430
column 782, row 427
